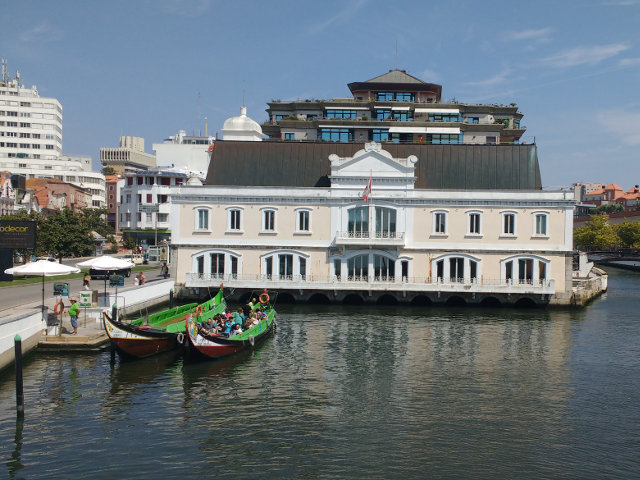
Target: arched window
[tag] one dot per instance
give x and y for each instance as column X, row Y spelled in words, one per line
column 284, row 265
column 358, row 223
column 385, row 222
column 358, row 268
column 461, row 268
column 217, row 264
column 525, row 269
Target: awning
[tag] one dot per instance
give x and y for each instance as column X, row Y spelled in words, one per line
column 346, row 108
column 449, row 130
column 437, row 110
column 408, row 129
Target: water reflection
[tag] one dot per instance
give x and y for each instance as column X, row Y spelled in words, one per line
column 14, row 464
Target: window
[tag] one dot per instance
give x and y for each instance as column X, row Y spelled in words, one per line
column 385, row 222
column 474, row 223
column 525, row 269
column 289, row 136
column 382, row 114
column 491, row 140
column 383, row 268
column 163, row 217
column 395, row 96
column 508, row 223
column 149, row 198
column 303, row 221
column 202, row 219
column 340, row 113
column 473, row 119
column 302, row 267
column 440, row 222
column 540, row 223
column 336, row 134
column 358, row 222
column 444, row 138
column 444, row 117
column 235, row 219
column 285, row 266
column 358, row 268
column 217, row 265
column 268, row 220
column 379, row 135
column 403, row 115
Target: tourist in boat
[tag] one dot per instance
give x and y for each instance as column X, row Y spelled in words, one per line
column 236, row 330
column 239, row 316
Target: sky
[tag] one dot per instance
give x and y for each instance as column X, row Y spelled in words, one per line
column 150, row 68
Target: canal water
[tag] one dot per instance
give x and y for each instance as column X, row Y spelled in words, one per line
column 352, row 392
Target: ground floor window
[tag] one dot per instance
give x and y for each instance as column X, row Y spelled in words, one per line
column 525, row 270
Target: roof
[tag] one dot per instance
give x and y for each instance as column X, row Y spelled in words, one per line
column 306, row 164
column 395, row 76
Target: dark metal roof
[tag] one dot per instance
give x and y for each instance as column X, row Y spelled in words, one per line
column 459, row 167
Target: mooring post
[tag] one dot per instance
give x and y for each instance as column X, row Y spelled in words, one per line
column 114, row 312
column 171, row 298
column 19, row 386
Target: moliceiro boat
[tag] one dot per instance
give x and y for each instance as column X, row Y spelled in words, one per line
column 203, row 345
column 159, row 332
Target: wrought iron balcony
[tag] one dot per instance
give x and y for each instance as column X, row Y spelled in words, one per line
column 369, row 238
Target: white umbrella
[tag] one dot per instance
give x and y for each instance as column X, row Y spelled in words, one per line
column 42, row 268
column 106, row 262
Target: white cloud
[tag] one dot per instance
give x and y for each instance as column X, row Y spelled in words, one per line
column 342, row 16
column 41, row 33
column 629, row 62
column 583, row 55
column 621, row 123
column 497, row 79
column 539, row 35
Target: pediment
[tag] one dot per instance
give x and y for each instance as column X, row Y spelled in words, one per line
column 372, row 161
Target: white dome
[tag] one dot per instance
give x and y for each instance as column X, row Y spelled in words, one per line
column 241, row 128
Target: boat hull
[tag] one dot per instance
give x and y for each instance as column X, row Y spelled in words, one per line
column 212, row 346
column 137, row 342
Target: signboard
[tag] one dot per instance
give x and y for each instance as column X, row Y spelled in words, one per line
column 60, row 289
column 148, row 208
column 17, row 234
column 116, row 281
column 85, row 299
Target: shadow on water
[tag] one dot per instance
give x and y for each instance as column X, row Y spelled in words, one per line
column 14, row 464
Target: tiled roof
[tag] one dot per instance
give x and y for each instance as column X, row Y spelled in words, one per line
column 395, row 76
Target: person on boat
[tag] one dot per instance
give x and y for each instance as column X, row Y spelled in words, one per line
column 236, row 330
column 228, row 327
column 239, row 316
column 246, row 309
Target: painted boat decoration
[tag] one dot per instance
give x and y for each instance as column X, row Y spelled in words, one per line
column 159, row 332
column 204, row 346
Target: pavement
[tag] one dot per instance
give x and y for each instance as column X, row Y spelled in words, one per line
column 91, row 334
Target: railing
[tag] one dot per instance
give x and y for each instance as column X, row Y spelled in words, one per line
column 372, row 282
column 370, row 237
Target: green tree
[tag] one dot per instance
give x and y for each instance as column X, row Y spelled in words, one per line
column 129, row 243
column 608, row 208
column 65, row 233
column 596, row 233
column 108, row 171
column 629, row 233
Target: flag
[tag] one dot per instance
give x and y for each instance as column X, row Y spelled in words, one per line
column 367, row 190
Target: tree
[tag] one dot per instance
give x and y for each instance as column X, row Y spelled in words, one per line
column 629, row 233
column 108, row 171
column 608, row 208
column 596, row 233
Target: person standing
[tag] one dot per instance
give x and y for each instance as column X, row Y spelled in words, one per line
column 73, row 313
column 86, row 282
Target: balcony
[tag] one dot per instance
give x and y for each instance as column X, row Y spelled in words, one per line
column 372, row 283
column 370, row 238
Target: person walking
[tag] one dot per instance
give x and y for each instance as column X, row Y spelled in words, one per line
column 73, row 313
column 164, row 270
column 86, row 282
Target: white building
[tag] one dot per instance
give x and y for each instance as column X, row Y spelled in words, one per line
column 414, row 244
column 30, row 125
column 129, row 156
column 184, row 151
column 31, row 139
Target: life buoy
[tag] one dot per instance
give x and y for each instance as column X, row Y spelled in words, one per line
column 198, row 310
column 264, row 297
column 180, row 337
column 58, row 308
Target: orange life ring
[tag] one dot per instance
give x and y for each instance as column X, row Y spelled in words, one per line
column 198, row 310
column 264, row 297
column 55, row 307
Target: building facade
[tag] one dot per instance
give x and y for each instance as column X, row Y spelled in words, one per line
column 185, row 151
column 30, row 125
column 129, row 156
column 372, row 234
column 394, row 107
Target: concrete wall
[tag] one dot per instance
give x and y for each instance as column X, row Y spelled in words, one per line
column 30, row 328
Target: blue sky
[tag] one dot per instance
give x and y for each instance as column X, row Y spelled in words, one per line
column 137, row 67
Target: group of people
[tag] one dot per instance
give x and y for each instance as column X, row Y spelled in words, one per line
column 230, row 324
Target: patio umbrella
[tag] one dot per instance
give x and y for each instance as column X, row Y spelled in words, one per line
column 106, row 262
column 42, row 268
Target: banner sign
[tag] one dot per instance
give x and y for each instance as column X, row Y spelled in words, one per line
column 17, row 234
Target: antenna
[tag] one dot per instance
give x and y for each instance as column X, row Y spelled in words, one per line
column 199, row 117
column 396, row 53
